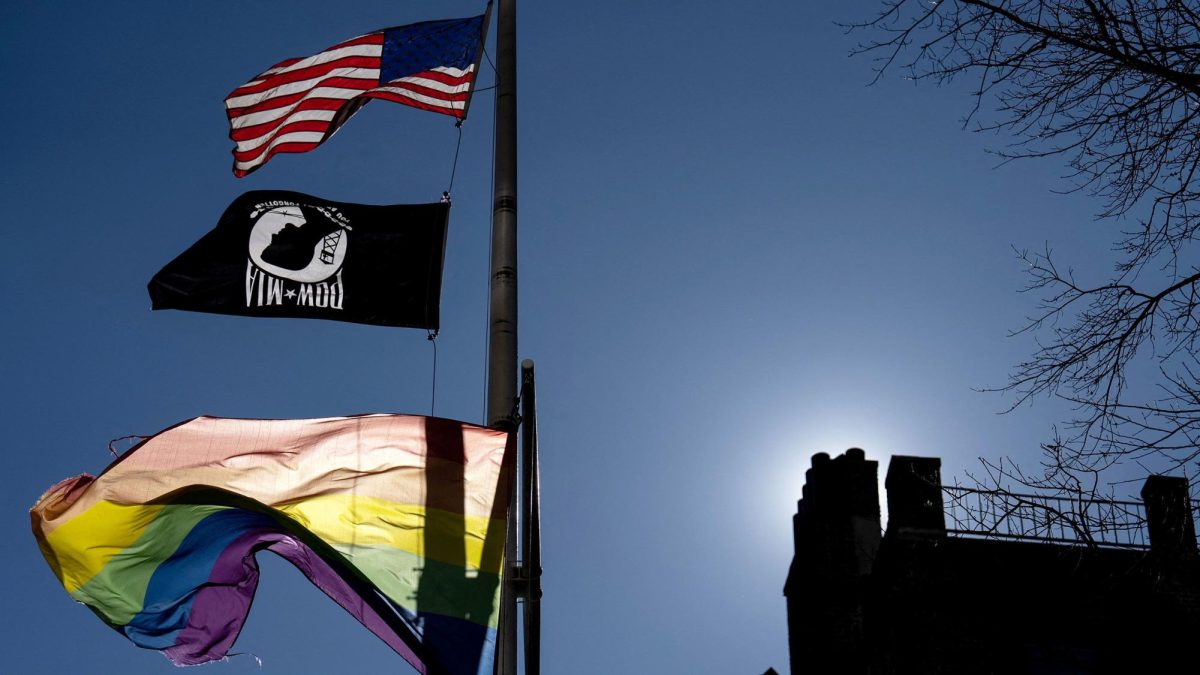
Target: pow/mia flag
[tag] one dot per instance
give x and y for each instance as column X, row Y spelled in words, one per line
column 286, row 254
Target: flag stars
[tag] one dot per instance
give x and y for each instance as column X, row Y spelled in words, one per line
column 428, row 65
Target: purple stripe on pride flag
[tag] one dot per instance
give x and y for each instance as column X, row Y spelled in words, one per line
column 219, row 609
column 324, row 577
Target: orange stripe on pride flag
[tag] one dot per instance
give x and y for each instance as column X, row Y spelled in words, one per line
column 276, row 462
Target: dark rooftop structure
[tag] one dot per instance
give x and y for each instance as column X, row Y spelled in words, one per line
column 1014, row 584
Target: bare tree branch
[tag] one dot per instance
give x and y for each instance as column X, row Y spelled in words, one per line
column 1114, row 89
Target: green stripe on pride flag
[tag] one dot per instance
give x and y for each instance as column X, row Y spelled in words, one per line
column 428, row 586
column 118, row 591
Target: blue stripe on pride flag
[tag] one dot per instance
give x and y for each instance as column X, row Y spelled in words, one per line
column 173, row 586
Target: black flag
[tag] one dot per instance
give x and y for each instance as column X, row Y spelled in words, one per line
column 287, row 254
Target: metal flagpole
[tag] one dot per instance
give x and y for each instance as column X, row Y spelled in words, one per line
column 531, row 531
column 502, row 333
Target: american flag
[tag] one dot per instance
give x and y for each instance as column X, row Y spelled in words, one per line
column 299, row 103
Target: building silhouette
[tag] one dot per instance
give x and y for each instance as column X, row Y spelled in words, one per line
column 1011, row 586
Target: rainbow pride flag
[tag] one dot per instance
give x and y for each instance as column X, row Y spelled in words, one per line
column 400, row 519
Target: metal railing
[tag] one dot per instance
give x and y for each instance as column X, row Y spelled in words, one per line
column 1008, row 515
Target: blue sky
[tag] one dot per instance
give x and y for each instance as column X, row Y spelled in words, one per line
column 734, row 254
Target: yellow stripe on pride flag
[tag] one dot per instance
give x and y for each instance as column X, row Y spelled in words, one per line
column 353, row 520
column 87, row 542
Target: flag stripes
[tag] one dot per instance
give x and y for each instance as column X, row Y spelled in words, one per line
column 299, row 103
column 399, row 519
